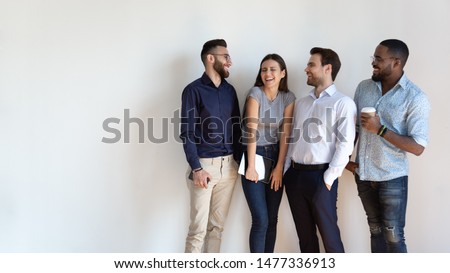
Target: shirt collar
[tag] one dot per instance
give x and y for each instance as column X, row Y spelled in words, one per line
column 206, row 80
column 327, row 92
column 402, row 83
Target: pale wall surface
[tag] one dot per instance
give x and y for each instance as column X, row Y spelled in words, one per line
column 66, row 66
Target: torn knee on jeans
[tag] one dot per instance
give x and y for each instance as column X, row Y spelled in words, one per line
column 391, row 235
column 375, row 229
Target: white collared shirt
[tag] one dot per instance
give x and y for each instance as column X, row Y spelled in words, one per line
column 323, row 132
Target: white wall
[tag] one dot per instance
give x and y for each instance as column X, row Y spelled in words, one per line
column 66, row 66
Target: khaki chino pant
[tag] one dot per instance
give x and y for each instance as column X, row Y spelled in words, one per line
column 209, row 207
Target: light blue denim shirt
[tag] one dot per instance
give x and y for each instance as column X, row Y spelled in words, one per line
column 404, row 110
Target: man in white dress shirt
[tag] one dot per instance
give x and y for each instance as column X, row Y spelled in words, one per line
column 320, row 147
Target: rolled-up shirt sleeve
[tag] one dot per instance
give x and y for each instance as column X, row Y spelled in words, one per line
column 417, row 120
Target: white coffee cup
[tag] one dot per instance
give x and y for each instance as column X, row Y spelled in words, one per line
column 369, row 110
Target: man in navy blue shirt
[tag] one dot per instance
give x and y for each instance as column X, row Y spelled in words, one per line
column 210, row 130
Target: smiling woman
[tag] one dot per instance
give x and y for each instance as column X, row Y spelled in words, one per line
column 268, row 117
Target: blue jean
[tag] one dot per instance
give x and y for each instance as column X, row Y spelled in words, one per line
column 263, row 203
column 385, row 206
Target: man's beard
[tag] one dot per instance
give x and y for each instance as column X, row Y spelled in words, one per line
column 382, row 74
column 313, row 81
column 220, row 70
column 377, row 78
column 310, row 82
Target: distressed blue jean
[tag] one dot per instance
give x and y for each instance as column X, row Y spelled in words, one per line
column 385, row 206
column 263, row 203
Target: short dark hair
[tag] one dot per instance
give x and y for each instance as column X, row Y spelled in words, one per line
column 397, row 48
column 328, row 57
column 284, row 81
column 209, row 46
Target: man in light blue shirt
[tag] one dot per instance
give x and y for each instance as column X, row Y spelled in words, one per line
column 399, row 126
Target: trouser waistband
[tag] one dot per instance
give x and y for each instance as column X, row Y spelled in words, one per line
column 303, row 167
column 219, row 159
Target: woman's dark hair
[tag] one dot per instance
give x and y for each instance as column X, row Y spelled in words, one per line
column 284, row 81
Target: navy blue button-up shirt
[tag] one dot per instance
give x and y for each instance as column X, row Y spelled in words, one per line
column 210, row 120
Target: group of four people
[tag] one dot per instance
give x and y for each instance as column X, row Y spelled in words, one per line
column 309, row 141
